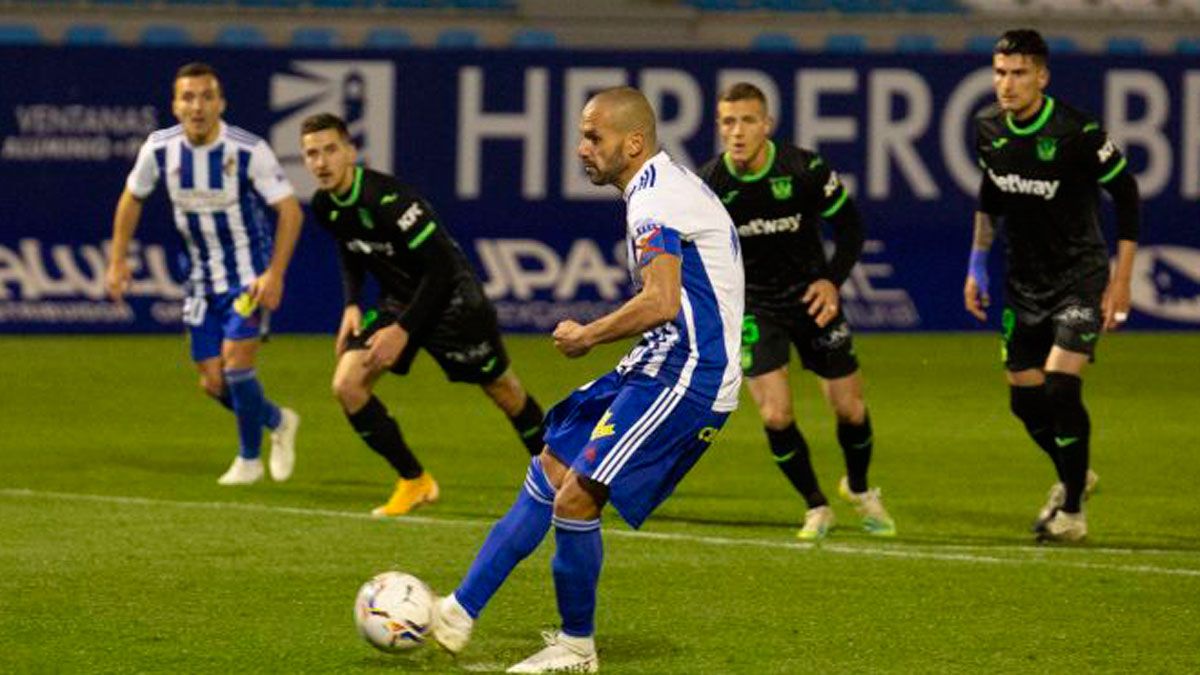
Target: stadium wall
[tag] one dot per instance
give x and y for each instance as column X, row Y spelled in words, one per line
column 489, row 137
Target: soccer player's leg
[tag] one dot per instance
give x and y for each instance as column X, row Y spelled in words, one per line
column 1076, row 331
column 569, row 425
column 1026, row 340
column 468, row 346
column 242, row 324
column 353, row 387
column 765, row 351
column 642, row 446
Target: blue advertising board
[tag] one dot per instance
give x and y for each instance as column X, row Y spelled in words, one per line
column 489, row 137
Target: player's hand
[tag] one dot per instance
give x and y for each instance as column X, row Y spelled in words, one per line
column 267, row 290
column 822, row 300
column 384, row 347
column 116, row 278
column 351, row 327
column 975, row 300
column 1115, row 305
column 571, row 339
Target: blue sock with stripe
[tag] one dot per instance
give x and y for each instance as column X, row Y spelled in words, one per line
column 252, row 408
column 512, row 539
column 576, row 567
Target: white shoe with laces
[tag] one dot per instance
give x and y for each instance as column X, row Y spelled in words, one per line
column 562, row 654
column 1058, row 496
column 451, row 624
column 283, row 445
column 1063, row 526
column 869, row 504
column 817, row 523
column 242, row 472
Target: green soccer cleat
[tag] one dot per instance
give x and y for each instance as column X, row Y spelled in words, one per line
column 875, row 519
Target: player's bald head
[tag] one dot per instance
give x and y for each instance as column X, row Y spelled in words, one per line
column 625, row 110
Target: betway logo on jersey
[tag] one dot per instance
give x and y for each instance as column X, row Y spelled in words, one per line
column 1015, row 184
column 769, row 226
column 360, row 92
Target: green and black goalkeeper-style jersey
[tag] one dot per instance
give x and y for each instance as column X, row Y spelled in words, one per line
column 778, row 212
column 1043, row 179
column 384, row 227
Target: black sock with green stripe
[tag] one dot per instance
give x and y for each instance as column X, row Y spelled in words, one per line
column 856, row 441
column 1032, row 407
column 378, row 430
column 1072, row 433
column 528, row 424
column 791, row 454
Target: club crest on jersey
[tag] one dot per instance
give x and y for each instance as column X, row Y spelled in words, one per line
column 781, row 187
column 229, row 167
column 603, row 428
column 1047, row 148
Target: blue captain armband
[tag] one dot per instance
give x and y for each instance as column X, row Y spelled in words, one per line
column 656, row 241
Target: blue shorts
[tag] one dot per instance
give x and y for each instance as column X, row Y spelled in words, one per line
column 212, row 319
column 633, row 435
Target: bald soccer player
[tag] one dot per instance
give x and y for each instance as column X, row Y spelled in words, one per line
column 631, row 435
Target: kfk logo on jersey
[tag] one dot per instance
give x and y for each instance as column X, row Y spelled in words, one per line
column 360, row 92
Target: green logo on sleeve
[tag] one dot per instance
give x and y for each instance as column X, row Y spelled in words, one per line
column 388, row 199
column 999, row 143
column 729, row 196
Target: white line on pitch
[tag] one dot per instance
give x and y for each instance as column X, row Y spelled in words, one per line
column 896, row 551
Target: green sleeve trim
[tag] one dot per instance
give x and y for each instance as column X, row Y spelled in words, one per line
column 837, row 206
column 354, row 190
column 1037, row 124
column 757, row 175
column 424, row 234
column 1113, row 173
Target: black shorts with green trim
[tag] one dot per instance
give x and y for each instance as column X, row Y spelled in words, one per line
column 828, row 352
column 465, row 341
column 1072, row 323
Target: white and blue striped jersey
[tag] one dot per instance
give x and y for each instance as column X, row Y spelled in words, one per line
column 217, row 192
column 669, row 209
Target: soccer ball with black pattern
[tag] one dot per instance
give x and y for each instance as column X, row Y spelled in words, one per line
column 394, row 611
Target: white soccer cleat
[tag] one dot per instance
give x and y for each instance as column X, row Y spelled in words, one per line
column 869, row 504
column 1058, row 496
column 283, row 445
column 562, row 654
column 451, row 624
column 817, row 523
column 242, row 472
column 1064, row 526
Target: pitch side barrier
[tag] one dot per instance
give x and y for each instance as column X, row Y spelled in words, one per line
column 490, row 137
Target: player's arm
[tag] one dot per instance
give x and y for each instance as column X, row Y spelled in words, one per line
column 269, row 288
column 125, row 222
column 837, row 209
column 657, row 303
column 353, row 274
column 976, row 297
column 1127, row 202
column 138, row 185
column 270, row 181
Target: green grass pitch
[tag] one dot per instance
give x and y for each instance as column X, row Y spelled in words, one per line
column 120, row 553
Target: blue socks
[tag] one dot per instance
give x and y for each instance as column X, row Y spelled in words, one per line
column 576, row 568
column 252, row 408
column 512, row 539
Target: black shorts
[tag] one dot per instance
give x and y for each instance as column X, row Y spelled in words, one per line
column 828, row 352
column 1072, row 323
column 465, row 341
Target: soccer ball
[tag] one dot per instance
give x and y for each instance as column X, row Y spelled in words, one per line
column 394, row 611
